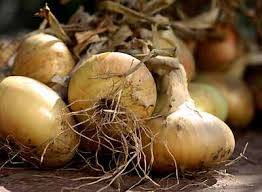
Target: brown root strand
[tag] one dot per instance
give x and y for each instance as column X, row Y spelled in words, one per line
column 123, row 148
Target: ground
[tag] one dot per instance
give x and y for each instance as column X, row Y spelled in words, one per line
column 242, row 176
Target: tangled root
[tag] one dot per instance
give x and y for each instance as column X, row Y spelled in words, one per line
column 113, row 135
column 16, row 153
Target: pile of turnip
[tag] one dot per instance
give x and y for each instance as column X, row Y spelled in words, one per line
column 133, row 96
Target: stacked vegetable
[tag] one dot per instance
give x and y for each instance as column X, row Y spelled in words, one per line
column 128, row 92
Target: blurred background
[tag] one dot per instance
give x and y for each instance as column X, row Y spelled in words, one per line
column 18, row 15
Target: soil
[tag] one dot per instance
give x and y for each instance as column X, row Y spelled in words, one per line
column 242, row 176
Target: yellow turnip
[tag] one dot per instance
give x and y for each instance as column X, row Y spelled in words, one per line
column 238, row 96
column 209, row 99
column 35, row 118
column 180, row 136
column 107, row 99
column 218, row 53
column 42, row 56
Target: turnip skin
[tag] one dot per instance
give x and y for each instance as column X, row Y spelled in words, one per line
column 98, row 79
column 195, row 139
column 218, row 54
column 34, row 117
column 180, row 136
column 101, row 78
column 42, row 56
column 241, row 107
column 209, row 99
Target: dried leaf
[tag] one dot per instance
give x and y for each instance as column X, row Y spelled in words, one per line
column 86, row 35
column 140, row 17
column 161, row 20
column 7, row 50
column 202, row 21
column 163, row 39
column 97, row 47
column 155, row 6
column 137, row 47
column 60, row 84
column 181, row 14
column 144, row 33
column 155, row 37
column 79, row 48
column 143, row 44
column 120, row 36
column 86, row 38
column 94, row 48
column 80, row 21
column 107, row 23
column 54, row 24
column 81, row 17
column 83, row 36
column 62, row 80
column 129, row 13
column 134, row 4
column 162, row 66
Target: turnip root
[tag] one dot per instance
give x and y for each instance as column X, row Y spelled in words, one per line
column 35, row 118
column 42, row 56
column 180, row 136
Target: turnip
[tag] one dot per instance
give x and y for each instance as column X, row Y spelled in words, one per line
column 42, row 56
column 108, row 100
column 238, row 95
column 209, row 99
column 218, row 53
column 35, row 118
column 180, row 136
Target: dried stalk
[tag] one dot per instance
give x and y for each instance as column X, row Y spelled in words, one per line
column 54, row 24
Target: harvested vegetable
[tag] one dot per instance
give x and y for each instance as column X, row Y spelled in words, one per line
column 35, row 118
column 217, row 52
column 180, row 136
column 105, row 89
column 42, row 56
column 238, row 96
column 209, row 99
column 128, row 92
